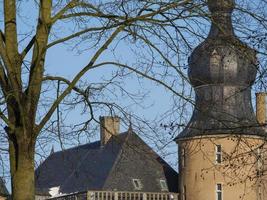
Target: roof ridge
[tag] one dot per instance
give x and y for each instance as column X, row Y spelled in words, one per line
column 64, row 151
column 81, row 145
column 75, row 147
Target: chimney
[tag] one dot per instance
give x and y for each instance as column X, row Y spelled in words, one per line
column 261, row 107
column 109, row 126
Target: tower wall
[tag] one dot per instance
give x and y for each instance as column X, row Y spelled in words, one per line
column 241, row 172
column 222, row 149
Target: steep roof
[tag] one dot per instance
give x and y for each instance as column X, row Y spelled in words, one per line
column 3, row 189
column 112, row 167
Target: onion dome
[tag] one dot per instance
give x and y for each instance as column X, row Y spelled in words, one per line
column 222, row 70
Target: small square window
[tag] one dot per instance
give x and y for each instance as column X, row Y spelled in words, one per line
column 137, row 184
column 163, row 185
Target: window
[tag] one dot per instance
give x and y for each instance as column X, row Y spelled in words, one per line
column 137, row 184
column 183, row 157
column 218, row 154
column 163, row 185
column 218, row 191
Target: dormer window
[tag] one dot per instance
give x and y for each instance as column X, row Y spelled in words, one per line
column 218, row 155
column 163, row 185
column 137, row 184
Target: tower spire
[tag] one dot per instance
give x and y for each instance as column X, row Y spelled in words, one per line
column 222, row 70
column 221, row 22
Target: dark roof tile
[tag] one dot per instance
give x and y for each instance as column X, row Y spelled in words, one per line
column 92, row 167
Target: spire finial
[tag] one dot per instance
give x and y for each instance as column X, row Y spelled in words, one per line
column 221, row 11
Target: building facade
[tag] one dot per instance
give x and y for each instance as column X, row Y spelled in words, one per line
column 119, row 166
column 222, row 149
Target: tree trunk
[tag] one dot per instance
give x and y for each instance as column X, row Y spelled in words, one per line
column 22, row 169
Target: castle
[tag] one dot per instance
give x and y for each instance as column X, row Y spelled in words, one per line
column 222, row 150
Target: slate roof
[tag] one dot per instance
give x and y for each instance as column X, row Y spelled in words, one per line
column 112, row 167
column 3, row 189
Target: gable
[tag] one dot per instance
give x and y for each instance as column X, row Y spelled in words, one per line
column 138, row 161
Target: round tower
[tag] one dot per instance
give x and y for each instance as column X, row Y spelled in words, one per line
column 221, row 149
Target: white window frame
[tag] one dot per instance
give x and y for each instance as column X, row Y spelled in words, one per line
column 137, row 186
column 218, row 154
column 163, row 185
column 219, row 191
